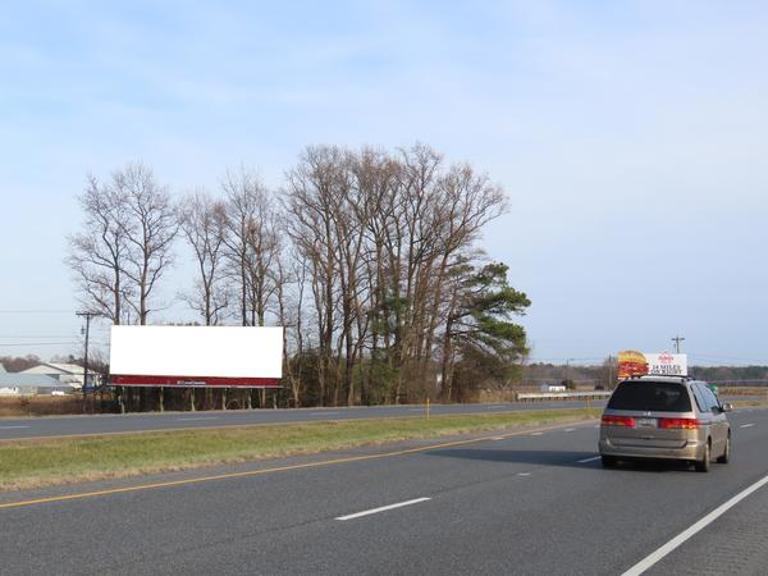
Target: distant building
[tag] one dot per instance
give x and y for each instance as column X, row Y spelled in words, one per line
column 20, row 384
column 70, row 375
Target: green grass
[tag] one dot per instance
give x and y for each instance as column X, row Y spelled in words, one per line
column 37, row 463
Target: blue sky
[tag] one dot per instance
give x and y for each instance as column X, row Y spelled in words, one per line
column 629, row 135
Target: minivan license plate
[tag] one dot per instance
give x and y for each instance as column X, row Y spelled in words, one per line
column 646, row 422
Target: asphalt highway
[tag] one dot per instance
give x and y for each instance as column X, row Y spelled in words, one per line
column 533, row 503
column 14, row 428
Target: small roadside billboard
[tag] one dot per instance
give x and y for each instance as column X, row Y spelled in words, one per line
column 634, row 363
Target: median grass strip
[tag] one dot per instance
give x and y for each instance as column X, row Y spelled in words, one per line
column 37, row 463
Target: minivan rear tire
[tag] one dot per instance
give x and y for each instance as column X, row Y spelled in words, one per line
column 704, row 464
column 726, row 457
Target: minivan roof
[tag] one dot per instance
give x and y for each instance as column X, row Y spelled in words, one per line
column 651, row 378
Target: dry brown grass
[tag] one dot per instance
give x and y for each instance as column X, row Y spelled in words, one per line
column 759, row 391
column 40, row 405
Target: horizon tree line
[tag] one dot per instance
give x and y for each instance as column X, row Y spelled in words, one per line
column 370, row 259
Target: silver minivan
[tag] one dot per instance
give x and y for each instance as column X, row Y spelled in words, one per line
column 664, row 417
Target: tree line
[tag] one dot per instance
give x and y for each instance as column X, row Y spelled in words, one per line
column 370, row 259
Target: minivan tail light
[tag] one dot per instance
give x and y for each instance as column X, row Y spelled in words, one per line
column 623, row 421
column 678, row 423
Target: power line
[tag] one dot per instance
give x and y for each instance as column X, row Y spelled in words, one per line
column 32, row 311
column 32, row 344
column 40, row 336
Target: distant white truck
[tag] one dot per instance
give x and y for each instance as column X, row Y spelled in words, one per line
column 196, row 356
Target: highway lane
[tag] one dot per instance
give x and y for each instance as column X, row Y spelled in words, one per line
column 528, row 504
column 13, row 428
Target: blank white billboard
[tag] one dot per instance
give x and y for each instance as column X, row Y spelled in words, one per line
column 197, row 351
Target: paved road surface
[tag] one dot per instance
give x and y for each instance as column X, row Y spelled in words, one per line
column 537, row 503
column 11, row 428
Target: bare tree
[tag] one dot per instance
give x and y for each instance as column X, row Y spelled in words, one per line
column 203, row 223
column 312, row 204
column 150, row 227
column 251, row 243
column 289, row 270
column 99, row 254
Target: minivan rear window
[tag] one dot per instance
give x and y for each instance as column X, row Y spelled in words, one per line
column 650, row 396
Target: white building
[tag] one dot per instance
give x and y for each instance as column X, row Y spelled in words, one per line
column 70, row 375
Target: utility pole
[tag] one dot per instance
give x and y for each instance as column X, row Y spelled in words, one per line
column 677, row 340
column 610, row 373
column 87, row 316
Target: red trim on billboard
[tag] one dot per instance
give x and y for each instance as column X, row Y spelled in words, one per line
column 194, row 381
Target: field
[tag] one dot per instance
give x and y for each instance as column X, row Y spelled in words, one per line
column 40, row 405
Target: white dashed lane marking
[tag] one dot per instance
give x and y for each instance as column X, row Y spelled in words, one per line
column 381, row 509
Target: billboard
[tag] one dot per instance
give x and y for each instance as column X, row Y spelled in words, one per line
column 633, row 363
column 196, row 356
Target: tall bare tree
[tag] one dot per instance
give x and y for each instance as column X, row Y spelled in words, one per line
column 251, row 243
column 203, row 223
column 312, row 206
column 99, row 253
column 150, row 227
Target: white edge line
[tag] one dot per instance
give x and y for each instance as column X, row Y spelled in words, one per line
column 381, row 509
column 197, row 419
column 13, row 427
column 660, row 553
column 585, row 460
column 746, row 426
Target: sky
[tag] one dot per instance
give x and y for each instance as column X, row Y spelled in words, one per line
column 629, row 136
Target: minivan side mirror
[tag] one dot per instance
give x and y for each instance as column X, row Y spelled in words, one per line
column 727, row 407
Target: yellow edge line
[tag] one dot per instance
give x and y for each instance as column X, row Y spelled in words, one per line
column 263, row 471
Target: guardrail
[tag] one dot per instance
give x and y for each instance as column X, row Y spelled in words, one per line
column 534, row 396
